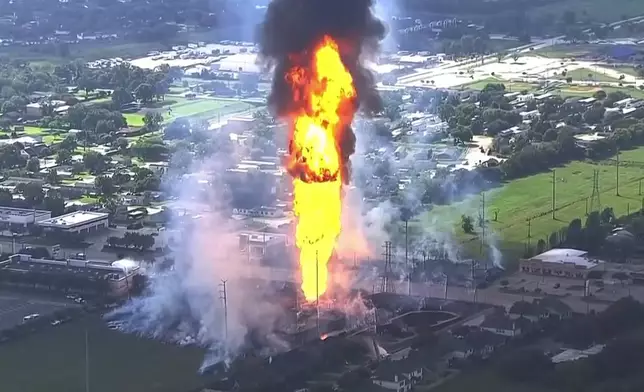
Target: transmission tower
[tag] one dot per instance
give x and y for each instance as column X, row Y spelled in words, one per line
column 595, row 204
column 386, row 281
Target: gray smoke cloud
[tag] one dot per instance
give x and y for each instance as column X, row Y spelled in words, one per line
column 184, row 303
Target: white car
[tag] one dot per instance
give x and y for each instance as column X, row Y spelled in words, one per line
column 30, row 317
column 56, row 322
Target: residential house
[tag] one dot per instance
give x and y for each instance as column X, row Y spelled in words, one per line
column 554, row 306
column 451, row 348
column 397, row 376
column 504, row 325
column 485, row 343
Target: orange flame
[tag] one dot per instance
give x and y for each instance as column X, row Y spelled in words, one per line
column 323, row 94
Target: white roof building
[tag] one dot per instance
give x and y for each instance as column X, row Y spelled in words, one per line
column 567, row 256
column 81, row 222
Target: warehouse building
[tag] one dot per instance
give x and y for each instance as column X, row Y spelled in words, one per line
column 566, row 263
column 88, row 276
column 79, row 222
column 19, row 220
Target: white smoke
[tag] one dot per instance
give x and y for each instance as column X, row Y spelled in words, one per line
column 185, row 303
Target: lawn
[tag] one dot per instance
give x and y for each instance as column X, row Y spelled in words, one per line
column 585, row 74
column 510, row 86
column 54, row 360
column 566, row 51
column 205, row 108
column 521, row 199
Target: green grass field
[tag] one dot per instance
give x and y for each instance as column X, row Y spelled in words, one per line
column 205, row 108
column 54, row 360
column 510, row 86
column 588, row 74
column 524, row 198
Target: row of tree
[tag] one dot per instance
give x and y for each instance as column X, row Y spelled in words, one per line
column 132, row 240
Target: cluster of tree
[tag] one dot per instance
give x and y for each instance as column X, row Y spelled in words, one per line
column 17, row 81
column 132, row 240
column 155, row 20
column 593, row 235
column 33, row 196
column 128, row 82
column 617, row 367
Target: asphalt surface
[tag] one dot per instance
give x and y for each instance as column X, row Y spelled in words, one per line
column 14, row 307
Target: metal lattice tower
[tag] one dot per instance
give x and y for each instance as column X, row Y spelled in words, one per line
column 386, row 281
column 595, row 204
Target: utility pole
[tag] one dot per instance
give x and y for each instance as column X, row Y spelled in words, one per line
column 482, row 223
column 317, row 292
column 86, row 360
column 407, row 257
column 529, row 232
column 640, row 188
column 554, row 181
column 224, row 298
column 617, row 173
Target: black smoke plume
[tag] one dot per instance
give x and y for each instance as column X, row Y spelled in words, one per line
column 295, row 27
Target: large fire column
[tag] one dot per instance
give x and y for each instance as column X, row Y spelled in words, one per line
column 324, row 98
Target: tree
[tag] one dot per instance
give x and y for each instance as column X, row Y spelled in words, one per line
column 553, row 240
column 152, row 121
column 32, row 193
column 178, row 129
column 550, row 135
column 6, row 198
column 541, row 246
column 33, row 165
column 515, row 57
column 55, row 203
column 52, row 177
column 144, row 92
column 467, row 224
column 121, row 97
column 94, row 162
column 121, row 143
column 105, row 185
column 64, row 157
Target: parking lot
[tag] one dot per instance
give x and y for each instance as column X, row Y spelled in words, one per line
column 15, row 306
column 606, row 290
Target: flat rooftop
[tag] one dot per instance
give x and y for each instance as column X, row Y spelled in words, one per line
column 85, row 268
column 9, row 211
column 74, row 219
column 567, row 256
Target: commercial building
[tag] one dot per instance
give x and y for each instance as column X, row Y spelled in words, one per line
column 79, row 222
column 87, row 276
column 19, row 220
column 566, row 263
